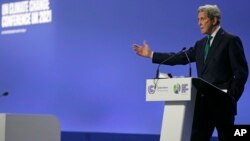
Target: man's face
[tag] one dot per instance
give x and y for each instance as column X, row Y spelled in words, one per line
column 206, row 24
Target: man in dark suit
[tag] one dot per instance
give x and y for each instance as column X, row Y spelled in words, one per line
column 221, row 61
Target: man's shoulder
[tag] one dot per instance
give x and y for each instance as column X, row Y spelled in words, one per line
column 227, row 34
column 202, row 40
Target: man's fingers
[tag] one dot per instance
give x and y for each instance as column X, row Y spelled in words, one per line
column 136, row 46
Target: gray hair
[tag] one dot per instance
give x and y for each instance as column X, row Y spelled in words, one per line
column 211, row 11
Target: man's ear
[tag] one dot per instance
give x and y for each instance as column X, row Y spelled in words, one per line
column 215, row 21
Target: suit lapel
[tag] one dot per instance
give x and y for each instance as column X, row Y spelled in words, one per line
column 212, row 50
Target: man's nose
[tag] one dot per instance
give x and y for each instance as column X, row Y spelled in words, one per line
column 199, row 23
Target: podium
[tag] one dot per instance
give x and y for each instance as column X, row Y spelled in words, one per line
column 19, row 127
column 179, row 95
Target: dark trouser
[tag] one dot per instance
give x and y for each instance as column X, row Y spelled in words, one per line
column 212, row 112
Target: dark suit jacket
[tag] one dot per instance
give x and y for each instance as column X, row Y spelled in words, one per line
column 225, row 67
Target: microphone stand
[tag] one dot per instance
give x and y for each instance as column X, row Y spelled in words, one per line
column 189, row 63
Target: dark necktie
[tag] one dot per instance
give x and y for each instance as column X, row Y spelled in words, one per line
column 207, row 46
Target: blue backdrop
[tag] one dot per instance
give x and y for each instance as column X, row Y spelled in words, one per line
column 81, row 67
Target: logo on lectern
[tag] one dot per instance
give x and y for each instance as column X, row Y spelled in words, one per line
column 151, row 89
column 177, row 88
column 180, row 88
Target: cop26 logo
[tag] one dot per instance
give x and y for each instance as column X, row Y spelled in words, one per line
column 177, row 88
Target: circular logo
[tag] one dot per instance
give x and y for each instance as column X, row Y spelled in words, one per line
column 151, row 89
column 177, row 88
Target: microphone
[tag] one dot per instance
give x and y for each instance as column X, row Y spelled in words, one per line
column 189, row 63
column 4, row 94
column 169, row 58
